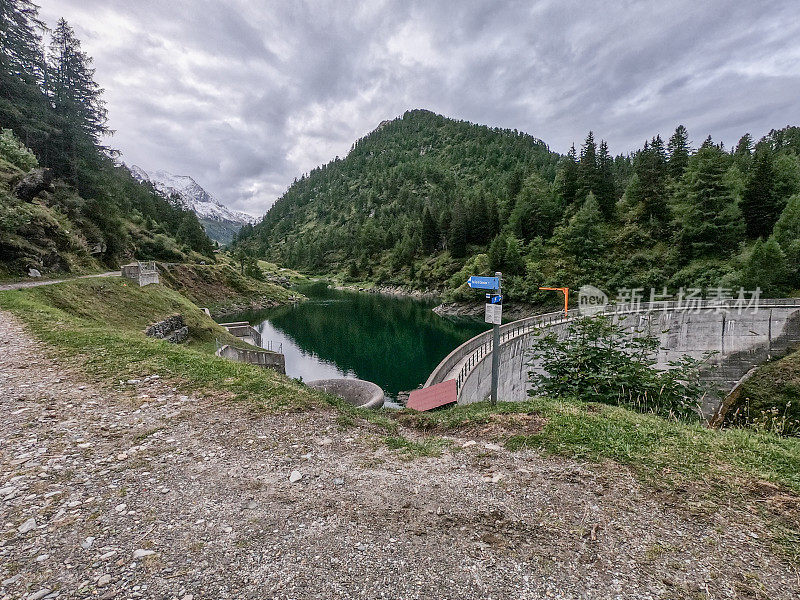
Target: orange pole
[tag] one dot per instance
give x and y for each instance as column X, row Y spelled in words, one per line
column 564, row 291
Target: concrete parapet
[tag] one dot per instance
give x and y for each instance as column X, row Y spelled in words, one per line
column 357, row 392
column 262, row 358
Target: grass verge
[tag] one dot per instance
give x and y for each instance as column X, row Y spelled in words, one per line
column 99, row 323
column 659, row 450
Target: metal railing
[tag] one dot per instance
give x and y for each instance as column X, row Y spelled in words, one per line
column 475, row 350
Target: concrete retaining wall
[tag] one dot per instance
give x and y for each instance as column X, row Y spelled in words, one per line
column 262, row 358
column 244, row 331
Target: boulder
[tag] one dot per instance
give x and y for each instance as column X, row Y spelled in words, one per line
column 34, row 182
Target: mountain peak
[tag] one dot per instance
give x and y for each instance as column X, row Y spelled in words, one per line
column 191, row 194
column 219, row 221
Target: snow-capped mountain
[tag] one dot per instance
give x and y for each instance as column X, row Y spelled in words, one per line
column 219, row 221
column 191, row 195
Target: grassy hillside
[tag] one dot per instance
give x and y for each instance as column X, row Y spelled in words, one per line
column 222, row 288
column 770, row 398
column 423, row 200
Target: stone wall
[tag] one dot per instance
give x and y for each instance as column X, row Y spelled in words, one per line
column 173, row 329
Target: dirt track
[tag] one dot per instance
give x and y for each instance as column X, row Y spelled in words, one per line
column 4, row 287
column 135, row 491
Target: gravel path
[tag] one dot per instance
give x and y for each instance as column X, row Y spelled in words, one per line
column 135, row 491
column 37, row 282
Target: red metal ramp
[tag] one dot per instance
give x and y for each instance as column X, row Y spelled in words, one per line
column 435, row 396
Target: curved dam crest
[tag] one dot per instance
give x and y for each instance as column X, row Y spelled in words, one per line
column 739, row 339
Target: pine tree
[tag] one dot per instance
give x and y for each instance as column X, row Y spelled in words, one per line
column 743, row 153
column 605, row 191
column 23, row 107
column 457, row 238
column 650, row 167
column 759, row 205
column 587, row 168
column 76, row 98
column 679, row 150
column 568, row 177
column 430, row 232
column 709, row 220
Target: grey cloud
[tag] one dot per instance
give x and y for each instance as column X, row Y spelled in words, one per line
column 246, row 96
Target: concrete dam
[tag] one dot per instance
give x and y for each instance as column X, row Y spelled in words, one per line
column 739, row 338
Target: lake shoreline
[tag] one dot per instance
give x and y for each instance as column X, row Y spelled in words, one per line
column 512, row 311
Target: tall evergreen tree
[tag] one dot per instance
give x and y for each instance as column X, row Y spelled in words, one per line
column 23, row 108
column 709, row 220
column 76, row 98
column 587, row 168
column 678, row 149
column 568, row 177
column 605, row 190
column 650, row 167
column 430, row 231
column 457, row 237
column 759, row 205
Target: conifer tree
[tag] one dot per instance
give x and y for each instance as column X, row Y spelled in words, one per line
column 759, row 205
column 76, row 98
column 679, row 150
column 709, row 220
column 568, row 180
column 430, row 232
column 587, row 168
column 457, row 238
column 605, row 190
column 650, row 167
column 743, row 153
column 22, row 106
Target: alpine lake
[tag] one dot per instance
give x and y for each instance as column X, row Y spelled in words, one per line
column 392, row 341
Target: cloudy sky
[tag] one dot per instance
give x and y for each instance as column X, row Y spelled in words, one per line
column 247, row 95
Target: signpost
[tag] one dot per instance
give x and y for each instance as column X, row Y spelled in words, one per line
column 494, row 315
column 484, row 283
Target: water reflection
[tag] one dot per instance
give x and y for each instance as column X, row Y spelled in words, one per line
column 394, row 342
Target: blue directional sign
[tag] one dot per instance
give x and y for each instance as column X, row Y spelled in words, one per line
column 483, row 283
column 495, row 299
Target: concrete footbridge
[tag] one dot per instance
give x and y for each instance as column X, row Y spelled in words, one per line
column 740, row 338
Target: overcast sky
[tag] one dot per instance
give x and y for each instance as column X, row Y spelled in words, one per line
column 246, row 95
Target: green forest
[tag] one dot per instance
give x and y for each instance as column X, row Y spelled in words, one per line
column 423, row 201
column 65, row 202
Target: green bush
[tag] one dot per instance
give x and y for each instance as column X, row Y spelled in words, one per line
column 598, row 361
column 15, row 151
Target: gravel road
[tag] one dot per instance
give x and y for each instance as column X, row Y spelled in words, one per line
column 136, row 491
column 4, row 287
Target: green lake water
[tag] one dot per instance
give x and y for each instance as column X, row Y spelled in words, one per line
column 392, row 341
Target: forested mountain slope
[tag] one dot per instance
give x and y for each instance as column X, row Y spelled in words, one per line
column 424, row 197
column 65, row 203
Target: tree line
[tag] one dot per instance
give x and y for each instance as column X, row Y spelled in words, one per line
column 423, row 199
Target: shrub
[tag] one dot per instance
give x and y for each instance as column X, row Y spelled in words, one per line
column 15, row 151
column 598, row 361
